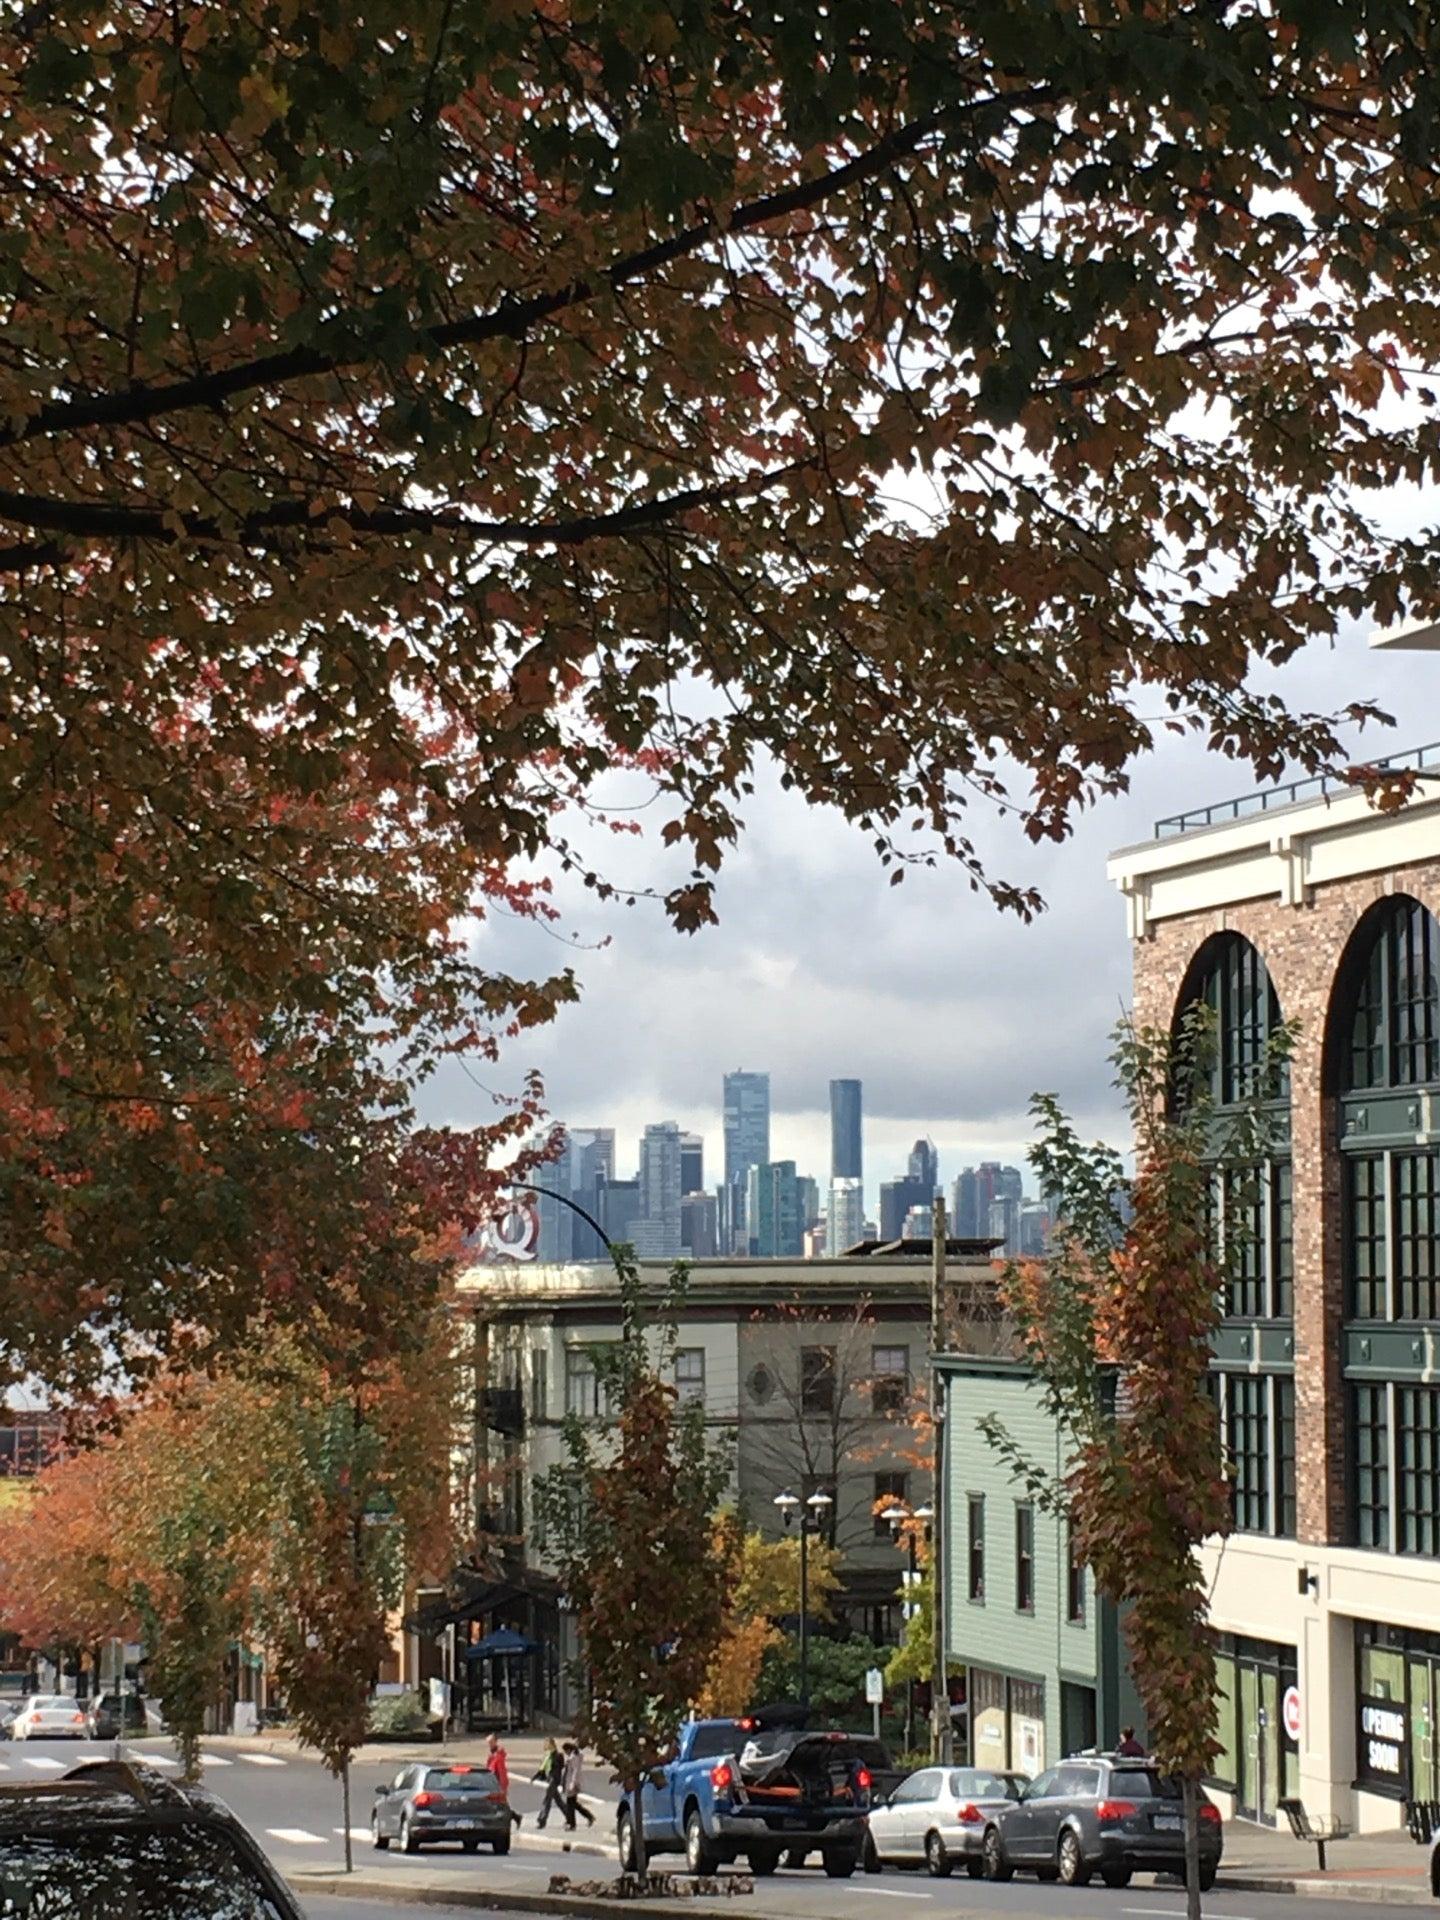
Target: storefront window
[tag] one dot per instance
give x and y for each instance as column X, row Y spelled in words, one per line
column 1007, row 1721
column 1258, row 1762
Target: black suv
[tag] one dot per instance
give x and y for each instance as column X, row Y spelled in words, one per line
column 1102, row 1814
column 66, row 1846
column 111, row 1715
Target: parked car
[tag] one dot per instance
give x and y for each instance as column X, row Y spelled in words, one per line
column 107, row 1836
column 8, row 1711
column 424, row 1803
column 1104, row 1814
column 111, row 1715
column 939, row 1815
column 758, row 1790
column 49, row 1716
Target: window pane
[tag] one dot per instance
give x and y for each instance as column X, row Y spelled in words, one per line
column 889, row 1488
column 1244, row 1248
column 1285, row 1452
column 690, row 1373
column 1247, row 1440
column 1024, row 1559
column 1417, row 1284
column 977, row 1546
column 1370, row 1469
column 1417, row 1442
column 1365, row 1234
column 817, row 1379
column 889, row 1379
column 1282, row 1241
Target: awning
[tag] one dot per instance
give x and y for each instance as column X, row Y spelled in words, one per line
column 503, row 1641
column 470, row 1602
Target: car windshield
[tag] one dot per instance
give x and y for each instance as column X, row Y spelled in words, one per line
column 461, row 1780
column 708, row 1743
column 130, row 1873
column 58, row 1702
column 969, row 1784
column 1143, row 1783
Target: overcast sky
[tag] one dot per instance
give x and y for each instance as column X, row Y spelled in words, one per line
column 951, row 1013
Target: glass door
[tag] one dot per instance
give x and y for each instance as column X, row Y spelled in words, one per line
column 1268, row 1784
column 1249, row 1769
column 1420, row 1698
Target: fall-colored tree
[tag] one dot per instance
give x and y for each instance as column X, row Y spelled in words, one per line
column 59, row 1584
column 762, row 1588
column 1118, row 1325
column 437, row 407
column 631, row 1517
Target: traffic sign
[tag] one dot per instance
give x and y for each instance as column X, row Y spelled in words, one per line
column 874, row 1687
column 1290, row 1713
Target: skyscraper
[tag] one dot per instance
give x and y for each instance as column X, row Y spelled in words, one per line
column 657, row 1230
column 554, row 1244
column 807, row 1193
column 965, row 1205
column 897, row 1197
column 845, row 1143
column 775, row 1228
column 692, row 1163
column 592, row 1164
column 697, row 1226
column 845, row 1216
column 747, row 1142
column 924, row 1167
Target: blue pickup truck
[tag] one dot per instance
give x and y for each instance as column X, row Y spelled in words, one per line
column 737, row 1789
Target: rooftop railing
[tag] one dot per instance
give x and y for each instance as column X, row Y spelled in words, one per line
column 1269, row 799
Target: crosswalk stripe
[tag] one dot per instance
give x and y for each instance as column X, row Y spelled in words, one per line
column 263, row 1759
column 296, row 1836
column 216, row 1760
column 356, row 1833
column 42, row 1763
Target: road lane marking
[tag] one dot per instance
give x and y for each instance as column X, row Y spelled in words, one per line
column 42, row 1763
column 356, row 1833
column 296, row 1836
column 887, row 1893
column 263, row 1759
column 215, row 1760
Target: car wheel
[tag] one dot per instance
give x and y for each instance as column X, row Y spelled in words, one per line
column 1115, row 1876
column 501, row 1843
column 975, row 1867
column 1207, row 1878
column 997, row 1867
column 938, row 1863
column 869, row 1858
column 377, row 1839
column 625, row 1844
column 409, row 1843
column 839, row 1866
column 763, row 1861
column 1070, row 1864
column 700, row 1856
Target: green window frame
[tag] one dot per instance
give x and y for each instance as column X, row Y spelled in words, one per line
column 1416, row 1190
column 1417, row 1463
column 1370, row 1464
column 1367, row 1246
column 1285, row 1454
column 1395, row 1028
column 1247, row 1442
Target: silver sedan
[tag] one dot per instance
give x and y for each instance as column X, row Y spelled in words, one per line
column 938, row 1816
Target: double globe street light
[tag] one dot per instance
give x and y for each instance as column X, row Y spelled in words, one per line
column 811, row 1522
column 897, row 1517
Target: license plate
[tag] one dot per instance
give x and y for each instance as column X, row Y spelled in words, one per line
column 1170, row 1821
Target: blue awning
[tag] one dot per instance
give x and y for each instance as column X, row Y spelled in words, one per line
column 504, row 1640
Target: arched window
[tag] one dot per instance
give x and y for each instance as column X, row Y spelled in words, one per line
column 1253, row 1372
column 1385, row 1061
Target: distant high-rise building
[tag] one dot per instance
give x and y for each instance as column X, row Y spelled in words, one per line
column 965, row 1206
column 657, row 1230
column 555, row 1239
column 1009, row 1184
column 845, row 1141
column 619, row 1208
column 773, row 1223
column 845, row 1216
column 747, row 1143
column 924, row 1167
column 897, row 1197
column 692, row 1163
column 698, row 1233
column 807, row 1194
column 593, row 1161
column 918, row 1224
column 1005, row 1223
column 815, row 1245
column 1034, row 1228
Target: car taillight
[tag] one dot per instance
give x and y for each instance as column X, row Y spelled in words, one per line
column 721, row 1777
column 1115, row 1809
column 459, row 1770
column 78, row 1718
column 495, row 1799
column 863, row 1779
column 1209, row 1811
column 969, row 1816
column 424, row 1799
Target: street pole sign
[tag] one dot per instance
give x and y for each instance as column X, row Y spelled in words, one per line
column 875, row 1695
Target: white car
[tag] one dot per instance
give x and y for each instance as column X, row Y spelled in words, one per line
column 49, row 1716
column 938, row 1815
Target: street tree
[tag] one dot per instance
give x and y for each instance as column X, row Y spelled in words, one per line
column 437, row 408
column 630, row 1513
column 762, row 1589
column 1118, row 1325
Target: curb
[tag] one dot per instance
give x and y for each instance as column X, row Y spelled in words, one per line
column 484, row 1899
column 1386, row 1892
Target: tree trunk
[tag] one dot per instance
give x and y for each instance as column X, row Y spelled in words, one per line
column 642, row 1865
column 1191, row 1790
column 345, row 1813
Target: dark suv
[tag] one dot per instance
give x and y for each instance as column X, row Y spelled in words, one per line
column 109, row 1835
column 1100, row 1814
column 111, row 1716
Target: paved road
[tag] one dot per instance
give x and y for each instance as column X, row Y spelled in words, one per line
column 292, row 1806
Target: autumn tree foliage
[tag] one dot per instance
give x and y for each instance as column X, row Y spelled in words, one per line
column 630, row 1513
column 408, row 413
column 1119, row 1325
column 762, row 1588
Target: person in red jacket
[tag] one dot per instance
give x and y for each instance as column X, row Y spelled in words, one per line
column 498, row 1762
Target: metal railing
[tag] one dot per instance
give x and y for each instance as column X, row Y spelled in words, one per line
column 1268, row 799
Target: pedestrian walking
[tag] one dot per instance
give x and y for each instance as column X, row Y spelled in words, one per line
column 1129, row 1746
column 498, row 1762
column 552, row 1772
column 573, row 1776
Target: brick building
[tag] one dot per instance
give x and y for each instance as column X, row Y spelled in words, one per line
column 1307, row 904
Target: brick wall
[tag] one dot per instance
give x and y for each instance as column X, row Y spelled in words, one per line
column 1302, row 947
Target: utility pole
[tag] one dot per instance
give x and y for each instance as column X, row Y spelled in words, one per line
column 941, row 1732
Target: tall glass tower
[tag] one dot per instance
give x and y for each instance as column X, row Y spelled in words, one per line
column 845, row 1158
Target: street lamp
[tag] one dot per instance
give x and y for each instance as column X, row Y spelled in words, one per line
column 896, row 1517
column 789, row 1505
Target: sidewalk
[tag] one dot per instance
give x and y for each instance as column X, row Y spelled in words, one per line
column 1384, row 1867
column 524, row 1749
